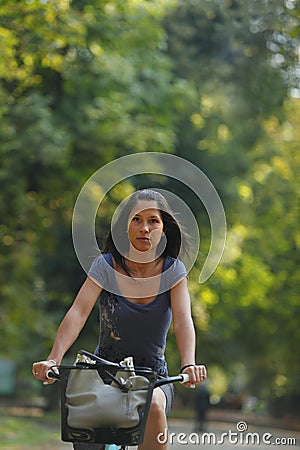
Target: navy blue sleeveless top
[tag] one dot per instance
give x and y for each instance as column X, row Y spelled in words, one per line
column 134, row 329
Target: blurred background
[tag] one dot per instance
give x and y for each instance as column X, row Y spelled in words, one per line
column 217, row 82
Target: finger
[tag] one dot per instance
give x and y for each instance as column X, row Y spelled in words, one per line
column 199, row 373
column 36, row 370
column 192, row 375
column 202, row 373
column 189, row 385
column 49, row 381
column 39, row 371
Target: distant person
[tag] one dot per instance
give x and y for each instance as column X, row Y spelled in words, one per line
column 202, row 405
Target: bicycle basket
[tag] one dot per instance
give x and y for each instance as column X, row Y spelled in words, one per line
column 105, row 402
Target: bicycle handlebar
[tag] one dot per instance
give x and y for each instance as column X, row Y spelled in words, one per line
column 181, row 378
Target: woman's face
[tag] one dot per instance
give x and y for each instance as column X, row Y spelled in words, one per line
column 145, row 225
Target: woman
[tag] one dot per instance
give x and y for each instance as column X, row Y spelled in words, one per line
column 142, row 286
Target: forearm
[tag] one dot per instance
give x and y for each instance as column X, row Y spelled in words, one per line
column 186, row 340
column 66, row 335
column 185, row 334
column 74, row 320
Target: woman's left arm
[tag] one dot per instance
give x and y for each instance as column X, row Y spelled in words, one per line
column 185, row 332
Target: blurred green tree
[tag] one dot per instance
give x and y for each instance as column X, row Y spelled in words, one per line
column 216, row 82
column 81, row 83
column 240, row 128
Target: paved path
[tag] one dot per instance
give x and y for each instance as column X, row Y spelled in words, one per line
column 226, row 436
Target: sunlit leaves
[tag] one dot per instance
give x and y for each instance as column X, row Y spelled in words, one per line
column 242, row 129
column 80, row 84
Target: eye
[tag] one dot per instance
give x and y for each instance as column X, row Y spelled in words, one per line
column 154, row 221
column 135, row 219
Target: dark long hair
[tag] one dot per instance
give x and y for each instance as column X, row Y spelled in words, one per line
column 176, row 237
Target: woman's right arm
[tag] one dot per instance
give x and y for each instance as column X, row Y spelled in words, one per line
column 70, row 327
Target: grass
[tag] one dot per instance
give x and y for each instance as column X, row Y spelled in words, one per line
column 24, row 429
column 19, row 432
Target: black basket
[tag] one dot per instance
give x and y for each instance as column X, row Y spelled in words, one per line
column 107, row 435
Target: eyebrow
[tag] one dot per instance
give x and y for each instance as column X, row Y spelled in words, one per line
column 155, row 216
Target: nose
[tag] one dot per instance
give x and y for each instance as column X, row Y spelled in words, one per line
column 145, row 226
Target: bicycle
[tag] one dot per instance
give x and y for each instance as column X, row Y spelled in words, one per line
column 111, row 437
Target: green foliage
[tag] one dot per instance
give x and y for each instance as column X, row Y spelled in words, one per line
column 241, row 129
column 27, row 433
column 80, row 84
column 217, row 82
column 257, row 305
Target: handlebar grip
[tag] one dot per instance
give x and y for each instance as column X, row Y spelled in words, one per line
column 50, row 374
column 185, row 378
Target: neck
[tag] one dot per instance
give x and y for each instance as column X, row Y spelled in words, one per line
column 141, row 268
